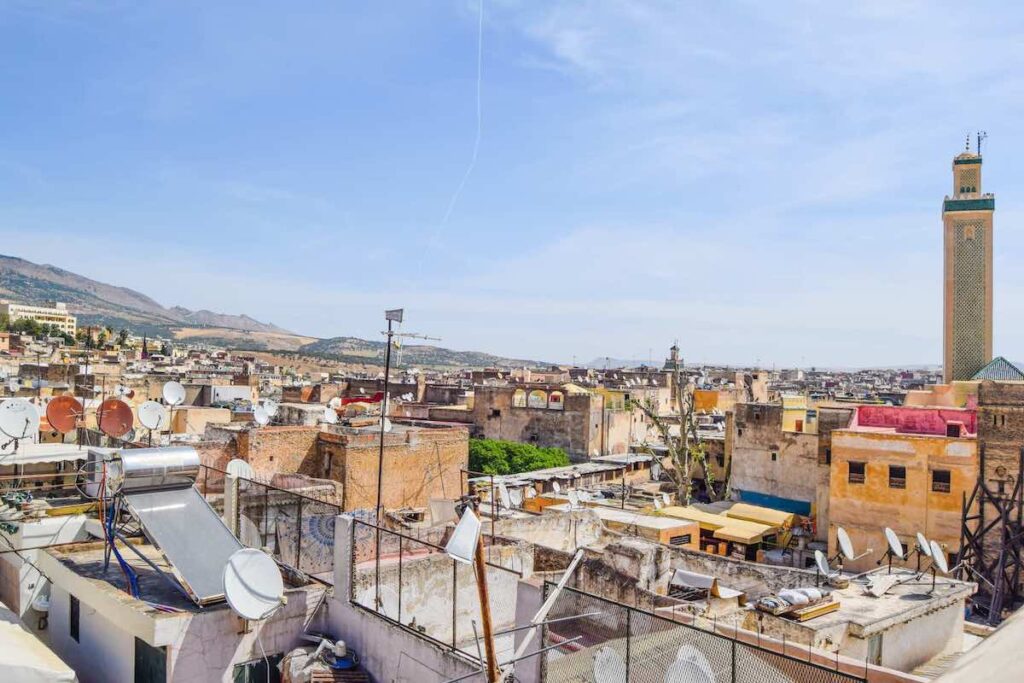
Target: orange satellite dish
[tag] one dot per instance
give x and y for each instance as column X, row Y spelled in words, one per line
column 114, row 417
column 63, row 412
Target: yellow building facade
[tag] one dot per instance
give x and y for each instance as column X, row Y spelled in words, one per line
column 908, row 482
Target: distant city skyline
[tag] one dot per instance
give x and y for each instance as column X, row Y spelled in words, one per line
column 760, row 185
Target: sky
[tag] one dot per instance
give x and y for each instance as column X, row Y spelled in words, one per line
column 763, row 185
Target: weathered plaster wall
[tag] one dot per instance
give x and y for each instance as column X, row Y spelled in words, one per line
column 759, row 435
column 865, row 509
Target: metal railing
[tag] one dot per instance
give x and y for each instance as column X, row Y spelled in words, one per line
column 411, row 582
column 298, row 530
column 644, row 647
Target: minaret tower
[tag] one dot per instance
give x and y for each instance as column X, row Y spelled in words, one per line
column 967, row 228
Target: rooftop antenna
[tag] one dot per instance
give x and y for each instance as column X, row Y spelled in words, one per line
column 981, row 136
column 174, row 395
column 19, row 419
column 821, row 568
column 895, row 548
column 151, row 415
column 63, row 413
column 114, row 417
column 253, row 586
column 261, row 417
column 967, row 143
column 846, row 547
column 395, row 315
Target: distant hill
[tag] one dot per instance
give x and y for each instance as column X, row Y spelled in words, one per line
column 97, row 303
column 355, row 350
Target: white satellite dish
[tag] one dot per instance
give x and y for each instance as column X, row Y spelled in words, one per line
column 240, row 469
column 516, row 498
column 503, row 497
column 665, row 498
column 387, row 425
column 574, row 499
column 174, row 393
column 330, row 416
column 923, row 546
column 261, row 417
column 556, row 487
column 271, row 407
column 939, row 558
column 691, row 666
column 609, row 666
column 19, row 419
column 822, row 562
column 151, row 414
column 845, row 545
column 895, row 546
column 462, row 545
column 252, row 584
column 530, row 493
column 334, row 403
column 657, row 504
column 656, row 470
column 14, row 384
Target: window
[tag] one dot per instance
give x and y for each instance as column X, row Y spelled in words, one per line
column 739, row 432
column 73, row 616
column 680, row 540
column 150, row 663
column 940, row 481
column 775, row 456
column 720, row 459
column 828, row 455
column 495, row 412
column 856, row 472
column 897, row 477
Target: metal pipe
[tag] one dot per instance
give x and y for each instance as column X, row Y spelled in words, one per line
column 485, row 612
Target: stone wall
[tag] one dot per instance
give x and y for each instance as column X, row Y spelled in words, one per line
column 768, row 461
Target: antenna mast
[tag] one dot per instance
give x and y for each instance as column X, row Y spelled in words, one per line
column 981, row 136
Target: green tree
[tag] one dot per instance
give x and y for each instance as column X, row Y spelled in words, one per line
column 5, row 322
column 491, row 456
column 122, row 336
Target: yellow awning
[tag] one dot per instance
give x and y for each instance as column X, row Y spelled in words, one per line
column 762, row 515
column 724, row 528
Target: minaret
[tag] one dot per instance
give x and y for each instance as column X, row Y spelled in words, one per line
column 967, row 228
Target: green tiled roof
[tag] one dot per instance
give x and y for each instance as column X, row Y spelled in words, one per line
column 999, row 369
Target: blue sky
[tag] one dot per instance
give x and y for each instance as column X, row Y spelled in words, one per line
column 763, row 185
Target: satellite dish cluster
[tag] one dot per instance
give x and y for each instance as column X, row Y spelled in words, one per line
column 923, row 549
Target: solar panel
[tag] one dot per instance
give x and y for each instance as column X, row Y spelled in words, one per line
column 158, row 492
column 190, row 534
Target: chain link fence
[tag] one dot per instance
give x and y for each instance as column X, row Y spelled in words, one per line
column 634, row 646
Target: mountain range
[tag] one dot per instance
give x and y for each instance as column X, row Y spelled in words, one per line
column 98, row 303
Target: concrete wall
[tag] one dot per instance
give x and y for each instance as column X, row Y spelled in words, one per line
column 758, row 436
column 387, row 652
column 576, row 428
column 104, row 653
column 911, row 644
column 565, row 531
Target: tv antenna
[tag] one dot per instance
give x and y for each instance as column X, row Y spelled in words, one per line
column 392, row 316
column 982, row 135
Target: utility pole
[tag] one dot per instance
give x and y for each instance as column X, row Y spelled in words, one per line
column 392, row 316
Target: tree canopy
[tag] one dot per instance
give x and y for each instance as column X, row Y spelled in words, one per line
column 491, row 456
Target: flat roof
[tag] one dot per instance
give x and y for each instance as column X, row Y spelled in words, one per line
column 626, row 517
